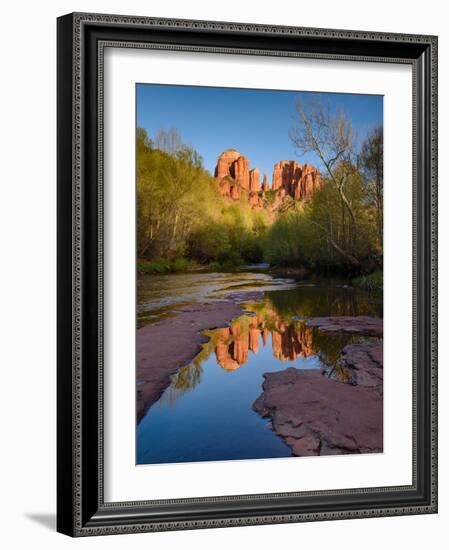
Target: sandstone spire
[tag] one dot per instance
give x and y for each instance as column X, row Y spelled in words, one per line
column 254, row 180
column 236, row 180
column 265, row 185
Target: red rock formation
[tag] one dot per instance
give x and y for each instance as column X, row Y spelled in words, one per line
column 255, row 200
column 289, row 179
column 254, row 180
column 225, row 163
column 298, row 181
column 308, row 182
column 236, row 192
column 234, row 177
column 241, row 172
column 265, row 184
column 276, row 182
column 225, row 187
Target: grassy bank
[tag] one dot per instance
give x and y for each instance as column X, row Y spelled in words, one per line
column 371, row 282
column 223, row 267
column 163, row 266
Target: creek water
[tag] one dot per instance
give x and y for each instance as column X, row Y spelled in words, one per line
column 206, row 411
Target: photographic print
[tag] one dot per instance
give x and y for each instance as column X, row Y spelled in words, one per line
column 259, row 266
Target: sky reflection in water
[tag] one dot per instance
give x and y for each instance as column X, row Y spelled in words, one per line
column 205, row 413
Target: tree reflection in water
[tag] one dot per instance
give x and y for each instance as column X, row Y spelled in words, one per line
column 186, row 379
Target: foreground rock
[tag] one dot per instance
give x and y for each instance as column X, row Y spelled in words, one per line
column 318, row 415
column 364, row 363
column 162, row 348
column 362, row 324
column 241, row 297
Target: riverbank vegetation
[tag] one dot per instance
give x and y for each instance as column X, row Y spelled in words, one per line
column 183, row 222
column 371, row 282
column 341, row 226
column 161, row 266
column 181, row 215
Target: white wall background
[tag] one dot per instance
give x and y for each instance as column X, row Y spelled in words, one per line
column 28, row 283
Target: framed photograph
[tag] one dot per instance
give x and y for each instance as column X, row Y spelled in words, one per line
column 247, row 274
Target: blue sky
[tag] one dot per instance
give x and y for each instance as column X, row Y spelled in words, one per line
column 255, row 122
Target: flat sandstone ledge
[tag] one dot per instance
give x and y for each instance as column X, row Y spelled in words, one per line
column 365, row 364
column 361, row 324
column 164, row 347
column 317, row 415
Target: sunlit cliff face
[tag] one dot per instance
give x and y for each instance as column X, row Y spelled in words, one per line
column 236, row 179
column 289, row 341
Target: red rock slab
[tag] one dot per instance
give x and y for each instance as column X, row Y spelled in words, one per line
column 316, row 415
column 240, row 297
column 362, row 324
column 365, row 363
column 162, row 348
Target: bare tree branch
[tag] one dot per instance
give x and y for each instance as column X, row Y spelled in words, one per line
column 328, row 136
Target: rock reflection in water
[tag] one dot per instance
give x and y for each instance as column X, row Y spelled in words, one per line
column 206, row 412
column 232, row 345
column 250, row 334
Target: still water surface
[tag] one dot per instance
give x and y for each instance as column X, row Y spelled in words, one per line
column 206, row 412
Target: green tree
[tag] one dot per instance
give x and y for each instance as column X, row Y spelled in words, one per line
column 371, row 164
column 318, row 234
column 180, row 212
column 329, row 135
column 170, row 190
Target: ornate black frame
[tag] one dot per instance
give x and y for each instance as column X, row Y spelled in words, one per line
column 81, row 507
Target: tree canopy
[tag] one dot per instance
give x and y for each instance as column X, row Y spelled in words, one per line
column 181, row 214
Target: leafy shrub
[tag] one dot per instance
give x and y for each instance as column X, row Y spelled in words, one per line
column 372, row 282
column 161, row 266
column 222, row 267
